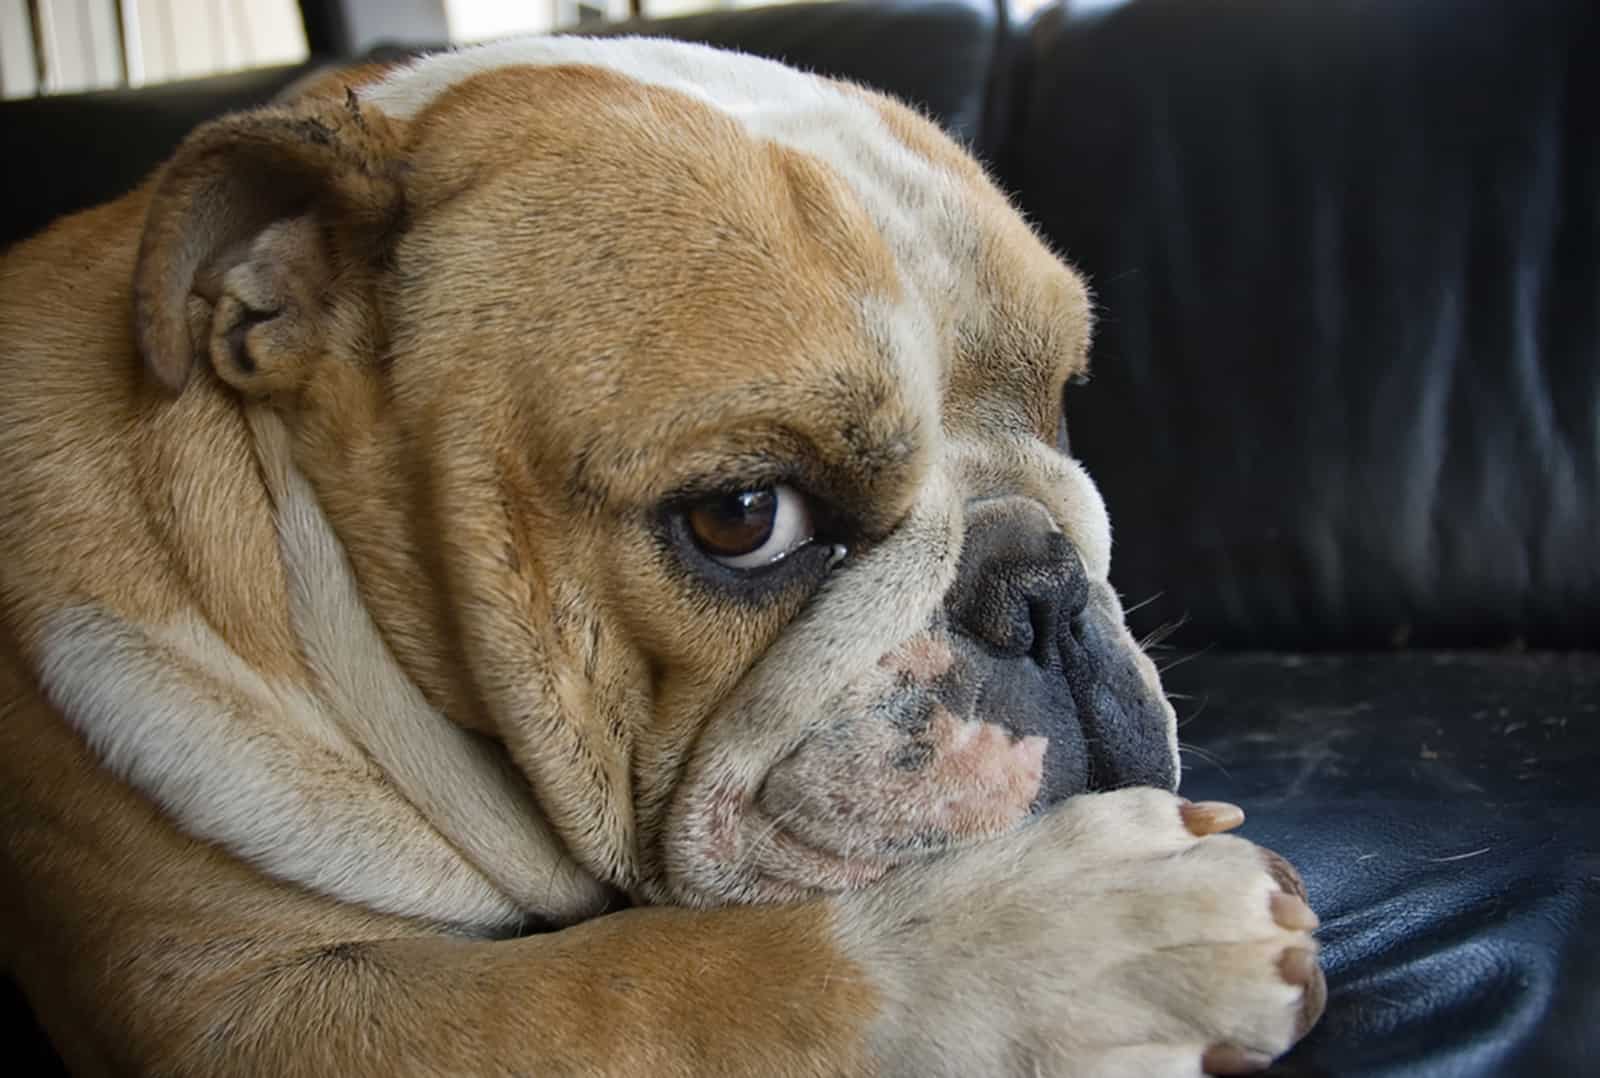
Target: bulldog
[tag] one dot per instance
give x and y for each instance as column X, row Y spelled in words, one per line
column 558, row 558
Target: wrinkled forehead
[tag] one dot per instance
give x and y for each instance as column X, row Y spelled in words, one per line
column 914, row 200
column 883, row 242
column 910, row 191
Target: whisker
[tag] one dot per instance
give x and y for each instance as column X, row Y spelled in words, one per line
column 1209, row 758
column 1160, row 634
column 1142, row 603
column 1204, row 754
column 754, row 849
column 1196, row 714
column 1175, row 663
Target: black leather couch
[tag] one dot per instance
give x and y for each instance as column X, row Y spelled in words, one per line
column 1345, row 411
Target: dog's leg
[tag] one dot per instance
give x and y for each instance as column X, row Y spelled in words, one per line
column 147, row 952
column 1117, row 936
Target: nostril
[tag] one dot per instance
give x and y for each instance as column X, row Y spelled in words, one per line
column 1018, row 587
column 1044, row 616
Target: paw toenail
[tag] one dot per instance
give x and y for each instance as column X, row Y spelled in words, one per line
column 1292, row 913
column 1231, row 1059
column 1210, row 817
column 1298, row 966
column 1312, row 1002
column 1285, row 875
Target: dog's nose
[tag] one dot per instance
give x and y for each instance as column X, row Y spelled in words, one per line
column 1020, row 582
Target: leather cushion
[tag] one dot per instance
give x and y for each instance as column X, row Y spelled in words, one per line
column 1346, row 386
column 72, row 151
column 1441, row 809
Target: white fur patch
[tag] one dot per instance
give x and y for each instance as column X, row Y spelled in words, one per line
column 259, row 769
column 351, row 785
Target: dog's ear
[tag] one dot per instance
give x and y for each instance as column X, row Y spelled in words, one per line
column 252, row 225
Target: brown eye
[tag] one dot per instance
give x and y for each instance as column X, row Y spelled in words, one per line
column 751, row 528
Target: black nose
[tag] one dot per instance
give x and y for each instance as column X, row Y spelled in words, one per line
column 1020, row 583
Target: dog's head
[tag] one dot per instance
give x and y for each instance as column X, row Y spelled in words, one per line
column 694, row 428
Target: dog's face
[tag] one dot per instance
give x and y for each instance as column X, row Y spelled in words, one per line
column 726, row 425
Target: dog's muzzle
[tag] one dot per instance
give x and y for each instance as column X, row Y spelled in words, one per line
column 1024, row 689
column 1047, row 655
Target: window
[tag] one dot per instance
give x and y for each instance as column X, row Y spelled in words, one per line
column 64, row 46
column 480, row 20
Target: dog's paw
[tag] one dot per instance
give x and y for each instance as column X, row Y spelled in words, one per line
column 1120, row 934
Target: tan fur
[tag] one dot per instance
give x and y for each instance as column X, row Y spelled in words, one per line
column 143, row 531
column 475, row 345
column 185, row 962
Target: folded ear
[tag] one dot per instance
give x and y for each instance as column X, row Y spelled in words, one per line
column 251, row 222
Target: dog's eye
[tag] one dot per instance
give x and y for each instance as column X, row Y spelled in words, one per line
column 753, row 527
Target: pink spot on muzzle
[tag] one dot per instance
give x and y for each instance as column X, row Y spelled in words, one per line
column 967, row 779
column 980, row 779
